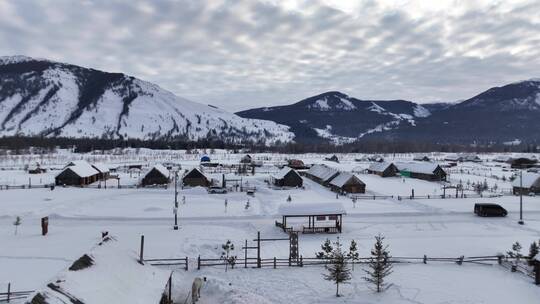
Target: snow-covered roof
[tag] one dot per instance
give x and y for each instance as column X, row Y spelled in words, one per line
column 322, row 172
column 502, row 158
column 161, row 170
column 529, row 180
column 101, row 168
column 311, row 209
column 281, row 174
column 379, row 167
column 107, row 274
column 202, row 173
column 452, row 157
column 425, row 168
column 342, row 178
column 81, row 168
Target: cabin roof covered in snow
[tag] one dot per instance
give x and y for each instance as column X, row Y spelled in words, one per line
column 379, row 167
column 322, row 172
column 109, row 274
column 529, row 179
column 290, row 209
column 424, row 168
column 101, row 168
column 161, row 169
column 343, row 178
column 281, row 174
column 81, row 168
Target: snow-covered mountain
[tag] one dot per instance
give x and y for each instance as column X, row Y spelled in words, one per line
column 45, row 98
column 340, row 118
column 499, row 114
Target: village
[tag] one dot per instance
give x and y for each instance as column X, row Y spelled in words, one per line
column 142, row 225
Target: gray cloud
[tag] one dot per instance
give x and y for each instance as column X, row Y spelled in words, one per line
column 238, row 54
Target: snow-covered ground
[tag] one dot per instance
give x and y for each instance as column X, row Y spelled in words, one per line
column 434, row 227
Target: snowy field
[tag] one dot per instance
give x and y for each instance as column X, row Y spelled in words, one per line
column 413, row 228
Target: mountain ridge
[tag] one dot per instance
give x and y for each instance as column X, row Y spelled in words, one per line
column 52, row 99
column 496, row 115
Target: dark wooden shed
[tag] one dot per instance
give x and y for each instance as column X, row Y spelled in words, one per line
column 77, row 173
column 287, row 177
column 383, row 169
column 522, row 163
column 196, row 178
column 425, row 171
column 158, row 175
column 348, row 183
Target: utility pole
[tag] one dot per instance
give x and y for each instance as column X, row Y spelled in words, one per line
column 175, row 227
column 521, row 197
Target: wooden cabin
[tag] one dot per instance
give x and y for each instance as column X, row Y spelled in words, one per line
column 77, row 173
column 332, row 158
column 321, row 174
column 196, row 178
column 383, row 169
column 296, row 164
column 346, row 182
column 246, row 159
column 158, row 175
column 36, row 169
column 425, row 171
column 287, row 177
column 526, row 184
column 424, row 158
column 522, row 163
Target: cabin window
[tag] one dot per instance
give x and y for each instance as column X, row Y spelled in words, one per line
column 332, row 217
column 321, row 218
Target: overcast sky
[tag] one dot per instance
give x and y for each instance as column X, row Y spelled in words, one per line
column 241, row 54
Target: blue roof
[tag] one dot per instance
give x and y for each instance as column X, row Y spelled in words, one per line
column 205, row 158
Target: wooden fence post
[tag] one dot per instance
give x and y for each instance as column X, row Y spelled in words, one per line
column 274, row 262
column 245, row 254
column 141, row 252
column 537, row 272
column 301, row 261
column 187, row 263
column 199, row 262
column 8, row 291
column 425, row 259
column 258, row 249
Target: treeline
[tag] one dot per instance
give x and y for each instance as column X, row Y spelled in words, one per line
column 82, row 145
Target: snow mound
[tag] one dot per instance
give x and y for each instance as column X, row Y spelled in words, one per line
column 226, row 293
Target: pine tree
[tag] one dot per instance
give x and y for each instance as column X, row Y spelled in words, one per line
column 17, row 223
column 226, row 256
column 326, row 250
column 379, row 266
column 353, row 254
column 338, row 270
column 516, row 254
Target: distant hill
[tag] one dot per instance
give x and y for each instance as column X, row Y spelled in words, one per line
column 45, row 98
column 498, row 115
column 339, row 118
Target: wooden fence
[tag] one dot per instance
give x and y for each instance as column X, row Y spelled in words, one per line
column 27, row 186
column 181, row 262
column 9, row 295
column 313, row 261
column 411, row 197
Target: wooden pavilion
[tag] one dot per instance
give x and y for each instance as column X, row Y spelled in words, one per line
column 321, row 217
